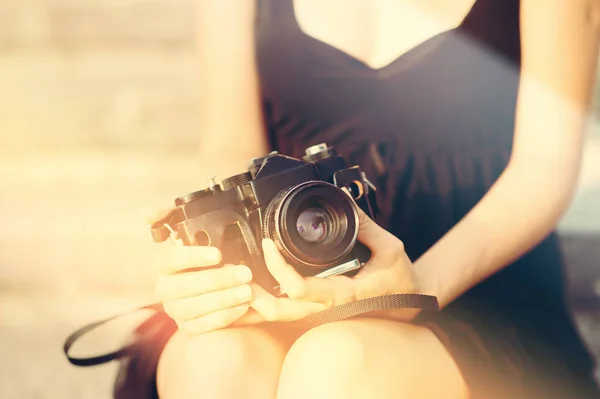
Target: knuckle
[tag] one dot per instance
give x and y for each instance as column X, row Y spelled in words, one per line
column 267, row 316
column 299, row 291
column 184, row 284
column 224, row 277
column 225, row 300
column 193, row 283
column 204, row 255
column 185, row 258
column 219, row 320
column 192, row 307
column 181, row 309
column 194, row 327
column 162, row 264
column 170, row 261
column 231, row 315
column 271, row 314
column 399, row 248
column 208, row 285
column 160, row 289
column 180, row 258
column 363, row 220
column 171, row 310
column 235, row 296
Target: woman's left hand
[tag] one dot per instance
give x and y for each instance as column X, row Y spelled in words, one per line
column 388, row 271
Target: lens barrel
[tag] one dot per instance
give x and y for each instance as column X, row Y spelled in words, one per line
column 314, row 223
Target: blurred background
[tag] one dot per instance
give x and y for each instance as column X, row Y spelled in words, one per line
column 98, row 124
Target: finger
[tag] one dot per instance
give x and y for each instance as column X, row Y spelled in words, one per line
column 252, row 317
column 190, row 284
column 281, row 309
column 189, row 257
column 370, row 233
column 310, row 289
column 290, row 281
column 154, row 215
column 194, row 307
column 214, row 321
column 328, row 290
column 383, row 244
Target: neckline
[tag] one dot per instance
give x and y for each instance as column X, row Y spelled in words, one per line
column 362, row 63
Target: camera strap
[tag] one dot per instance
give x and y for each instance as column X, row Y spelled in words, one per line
column 336, row 313
column 367, row 305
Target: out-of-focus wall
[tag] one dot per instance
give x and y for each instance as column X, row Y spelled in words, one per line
column 97, row 123
column 98, row 119
column 97, row 74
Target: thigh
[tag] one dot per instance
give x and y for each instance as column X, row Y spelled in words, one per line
column 370, row 358
column 223, row 363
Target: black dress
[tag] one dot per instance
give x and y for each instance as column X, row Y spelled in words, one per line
column 434, row 130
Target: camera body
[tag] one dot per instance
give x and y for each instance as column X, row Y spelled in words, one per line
column 298, row 203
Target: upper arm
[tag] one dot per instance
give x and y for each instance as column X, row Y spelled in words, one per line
column 231, row 120
column 559, row 41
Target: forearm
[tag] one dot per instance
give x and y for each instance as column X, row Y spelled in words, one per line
column 516, row 214
column 226, row 161
column 524, row 204
column 231, row 127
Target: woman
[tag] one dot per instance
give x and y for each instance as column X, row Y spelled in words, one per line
column 470, row 116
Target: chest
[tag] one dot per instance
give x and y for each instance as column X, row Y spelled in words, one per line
column 376, row 32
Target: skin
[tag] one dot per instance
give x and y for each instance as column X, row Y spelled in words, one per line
column 560, row 40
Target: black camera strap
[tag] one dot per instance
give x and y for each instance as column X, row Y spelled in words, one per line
column 107, row 357
column 336, row 313
column 362, row 306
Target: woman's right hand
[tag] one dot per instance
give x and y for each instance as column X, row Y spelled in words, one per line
column 197, row 297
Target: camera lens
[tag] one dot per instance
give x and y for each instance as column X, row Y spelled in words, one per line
column 314, row 223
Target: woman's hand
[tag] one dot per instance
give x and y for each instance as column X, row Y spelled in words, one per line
column 196, row 297
column 201, row 298
column 389, row 271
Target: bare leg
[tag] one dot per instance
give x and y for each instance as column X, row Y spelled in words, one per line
column 232, row 363
column 370, row 358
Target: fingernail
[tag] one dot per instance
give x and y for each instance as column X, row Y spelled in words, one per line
column 243, row 293
column 243, row 275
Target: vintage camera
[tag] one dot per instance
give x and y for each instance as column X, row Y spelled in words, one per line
column 298, row 203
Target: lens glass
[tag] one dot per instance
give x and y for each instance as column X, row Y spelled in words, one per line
column 312, row 225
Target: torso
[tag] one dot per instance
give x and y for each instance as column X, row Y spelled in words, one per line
column 377, row 32
column 410, row 76
column 424, row 101
column 357, row 68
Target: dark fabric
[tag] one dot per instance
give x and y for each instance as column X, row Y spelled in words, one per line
column 136, row 377
column 433, row 129
column 499, row 360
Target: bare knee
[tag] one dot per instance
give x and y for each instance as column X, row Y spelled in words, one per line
column 323, row 363
column 330, row 351
column 359, row 359
column 221, row 364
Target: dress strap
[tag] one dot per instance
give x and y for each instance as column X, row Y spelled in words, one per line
column 281, row 10
column 501, row 32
